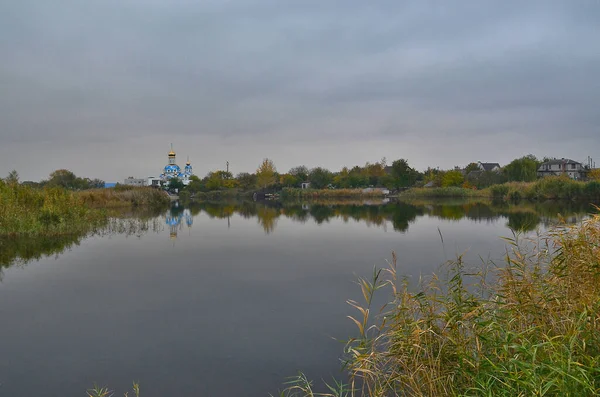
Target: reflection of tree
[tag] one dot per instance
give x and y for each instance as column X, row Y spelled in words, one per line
column 321, row 213
column 26, row 249
column 403, row 214
column 523, row 221
column 267, row 218
column 21, row 250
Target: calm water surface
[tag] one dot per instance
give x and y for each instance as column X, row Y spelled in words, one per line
column 220, row 299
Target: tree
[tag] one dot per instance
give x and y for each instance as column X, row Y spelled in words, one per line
column 220, row 180
column 341, row 178
column 265, row 174
column 523, row 169
column 319, row 178
column 594, row 174
column 452, row 178
column 96, row 183
column 373, row 172
column 357, row 178
column 300, row 172
column 175, row 185
column 12, row 178
column 471, row 167
column 63, row 178
column 484, row 179
column 195, row 185
column 289, row 180
column 403, row 175
column 246, row 181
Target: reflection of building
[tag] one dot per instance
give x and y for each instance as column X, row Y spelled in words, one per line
column 172, row 170
column 175, row 217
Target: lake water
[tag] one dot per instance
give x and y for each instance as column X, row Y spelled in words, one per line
column 221, row 299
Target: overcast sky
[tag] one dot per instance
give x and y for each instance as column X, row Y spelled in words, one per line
column 103, row 87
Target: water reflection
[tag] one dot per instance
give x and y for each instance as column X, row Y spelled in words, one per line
column 21, row 250
column 525, row 216
column 176, row 217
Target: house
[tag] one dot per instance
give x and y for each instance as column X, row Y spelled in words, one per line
column 305, row 185
column 495, row 167
column 131, row 181
column 154, row 181
column 571, row 168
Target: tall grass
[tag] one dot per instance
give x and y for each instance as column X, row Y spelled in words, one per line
column 534, row 331
column 124, row 196
column 27, row 211
column 453, row 192
column 295, row 193
column 49, row 211
column 548, row 188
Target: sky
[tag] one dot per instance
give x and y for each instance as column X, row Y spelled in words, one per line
column 103, row 87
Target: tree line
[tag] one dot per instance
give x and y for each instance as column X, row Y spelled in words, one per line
column 397, row 175
column 59, row 178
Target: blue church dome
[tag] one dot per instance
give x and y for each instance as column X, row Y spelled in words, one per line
column 172, row 169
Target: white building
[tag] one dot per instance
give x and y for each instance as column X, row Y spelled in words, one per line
column 572, row 169
column 131, row 181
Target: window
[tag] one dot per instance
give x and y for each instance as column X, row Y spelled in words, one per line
column 573, row 166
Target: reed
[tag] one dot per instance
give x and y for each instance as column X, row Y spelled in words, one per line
column 294, row 193
column 124, row 196
column 54, row 211
column 440, row 192
column 49, row 211
column 533, row 331
column 548, row 188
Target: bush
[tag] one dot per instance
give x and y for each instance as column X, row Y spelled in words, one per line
column 499, row 191
column 592, row 190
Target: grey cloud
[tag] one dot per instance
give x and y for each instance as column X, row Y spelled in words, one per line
column 263, row 77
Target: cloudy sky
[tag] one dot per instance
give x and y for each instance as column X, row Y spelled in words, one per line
column 103, row 87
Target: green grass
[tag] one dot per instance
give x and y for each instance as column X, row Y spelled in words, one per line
column 534, row 331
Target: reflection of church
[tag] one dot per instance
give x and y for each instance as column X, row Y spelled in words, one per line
column 172, row 170
column 175, row 218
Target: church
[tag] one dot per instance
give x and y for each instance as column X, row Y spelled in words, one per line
column 172, row 170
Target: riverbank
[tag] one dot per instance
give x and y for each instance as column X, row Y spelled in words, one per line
column 123, row 197
column 27, row 211
column 535, row 328
column 295, row 193
column 549, row 188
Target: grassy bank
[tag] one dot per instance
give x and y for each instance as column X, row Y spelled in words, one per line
column 444, row 192
column 535, row 331
column 124, row 196
column 549, row 188
column 295, row 193
column 44, row 212
column 27, row 211
column 217, row 195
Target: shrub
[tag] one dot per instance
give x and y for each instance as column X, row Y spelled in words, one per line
column 499, row 191
column 592, row 190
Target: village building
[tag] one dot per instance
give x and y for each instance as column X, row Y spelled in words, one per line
column 573, row 169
